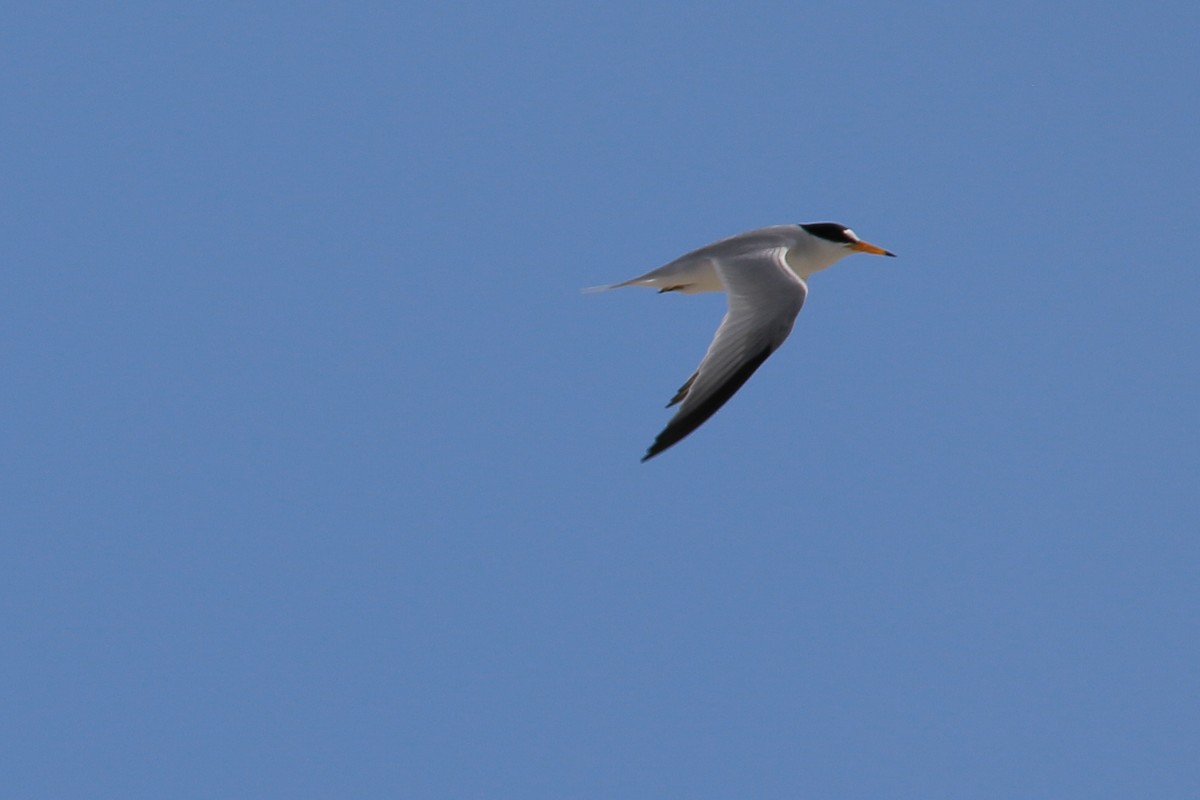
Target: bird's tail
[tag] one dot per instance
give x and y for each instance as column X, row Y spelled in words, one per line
column 605, row 288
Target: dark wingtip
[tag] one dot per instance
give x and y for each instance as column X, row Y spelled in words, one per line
column 652, row 452
column 681, row 425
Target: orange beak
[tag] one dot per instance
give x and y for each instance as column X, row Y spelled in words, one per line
column 865, row 247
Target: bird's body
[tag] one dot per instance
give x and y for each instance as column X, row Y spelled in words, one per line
column 765, row 273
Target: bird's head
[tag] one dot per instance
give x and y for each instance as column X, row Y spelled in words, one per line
column 837, row 235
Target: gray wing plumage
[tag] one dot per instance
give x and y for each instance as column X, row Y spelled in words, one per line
column 764, row 298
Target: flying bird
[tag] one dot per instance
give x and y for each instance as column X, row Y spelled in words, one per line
column 765, row 273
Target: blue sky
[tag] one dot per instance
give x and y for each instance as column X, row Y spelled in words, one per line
column 322, row 477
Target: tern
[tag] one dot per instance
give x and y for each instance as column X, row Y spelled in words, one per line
column 765, row 273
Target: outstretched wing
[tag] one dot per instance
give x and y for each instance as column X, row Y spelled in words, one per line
column 764, row 298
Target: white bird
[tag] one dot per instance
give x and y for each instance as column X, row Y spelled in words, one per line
column 765, row 272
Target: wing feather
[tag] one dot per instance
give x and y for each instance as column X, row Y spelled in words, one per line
column 764, row 298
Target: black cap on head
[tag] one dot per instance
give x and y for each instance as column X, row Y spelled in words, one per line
column 830, row 231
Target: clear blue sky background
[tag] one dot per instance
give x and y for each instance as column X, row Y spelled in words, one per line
column 321, row 476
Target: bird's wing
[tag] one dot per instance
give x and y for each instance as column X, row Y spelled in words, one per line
column 764, row 298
